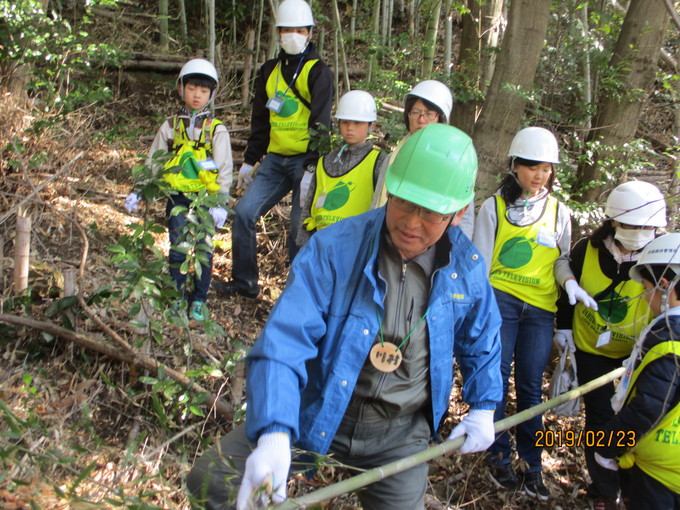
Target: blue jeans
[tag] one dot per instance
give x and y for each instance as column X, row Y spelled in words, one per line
column 175, row 258
column 276, row 176
column 526, row 336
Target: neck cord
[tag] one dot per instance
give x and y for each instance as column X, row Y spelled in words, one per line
column 382, row 336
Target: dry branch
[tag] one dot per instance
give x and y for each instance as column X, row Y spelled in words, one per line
column 130, row 356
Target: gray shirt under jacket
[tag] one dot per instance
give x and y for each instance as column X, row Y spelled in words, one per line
column 379, row 395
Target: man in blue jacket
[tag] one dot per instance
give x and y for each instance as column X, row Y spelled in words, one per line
column 356, row 359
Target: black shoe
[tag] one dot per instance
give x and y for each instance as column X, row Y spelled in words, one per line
column 533, row 486
column 503, row 477
column 232, row 288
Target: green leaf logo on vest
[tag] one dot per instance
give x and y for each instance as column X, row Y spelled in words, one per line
column 612, row 307
column 289, row 107
column 189, row 166
column 335, row 198
column 516, row 252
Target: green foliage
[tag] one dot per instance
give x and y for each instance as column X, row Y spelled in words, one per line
column 63, row 61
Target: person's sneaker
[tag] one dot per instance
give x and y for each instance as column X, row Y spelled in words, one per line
column 503, row 477
column 232, row 288
column 198, row 311
column 532, row 485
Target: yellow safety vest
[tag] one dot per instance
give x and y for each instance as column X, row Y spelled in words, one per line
column 524, row 257
column 658, row 452
column 192, row 169
column 623, row 311
column 289, row 128
column 337, row 198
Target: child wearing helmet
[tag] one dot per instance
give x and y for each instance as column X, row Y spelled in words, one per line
column 293, row 94
column 202, row 154
column 602, row 341
column 429, row 102
column 524, row 234
column 647, row 400
column 343, row 182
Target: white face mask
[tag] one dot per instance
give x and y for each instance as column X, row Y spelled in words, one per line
column 634, row 239
column 293, row 43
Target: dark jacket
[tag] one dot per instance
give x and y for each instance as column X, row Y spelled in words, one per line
column 321, row 87
column 657, row 391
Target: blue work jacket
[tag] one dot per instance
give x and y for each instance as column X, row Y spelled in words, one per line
column 303, row 368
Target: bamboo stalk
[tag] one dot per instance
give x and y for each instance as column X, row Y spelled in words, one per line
column 70, row 290
column 343, row 55
column 22, row 250
column 183, row 21
column 439, row 450
column 163, row 24
column 247, row 69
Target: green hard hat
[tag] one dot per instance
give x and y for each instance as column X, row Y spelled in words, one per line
column 436, row 169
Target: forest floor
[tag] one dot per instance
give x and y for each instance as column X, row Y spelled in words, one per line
column 84, row 430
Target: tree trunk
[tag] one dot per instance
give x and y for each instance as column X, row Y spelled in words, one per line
column 634, row 63
column 465, row 110
column 515, row 70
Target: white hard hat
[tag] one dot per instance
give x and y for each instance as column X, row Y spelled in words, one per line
column 294, row 13
column 637, row 203
column 436, row 93
column 535, row 144
column 664, row 250
column 357, row 105
column 198, row 66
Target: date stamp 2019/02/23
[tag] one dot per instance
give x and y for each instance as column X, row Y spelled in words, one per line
column 588, row 438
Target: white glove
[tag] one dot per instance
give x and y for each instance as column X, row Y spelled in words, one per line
column 267, row 466
column 610, row 464
column 219, row 215
column 132, row 202
column 576, row 293
column 245, row 176
column 564, row 338
column 478, row 425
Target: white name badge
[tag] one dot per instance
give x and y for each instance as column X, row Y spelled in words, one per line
column 603, row 338
column 546, row 238
column 275, row 104
column 208, row 164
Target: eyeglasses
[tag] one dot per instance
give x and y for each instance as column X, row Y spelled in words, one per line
column 425, row 214
column 428, row 114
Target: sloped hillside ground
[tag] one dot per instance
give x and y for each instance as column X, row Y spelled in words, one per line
column 81, row 429
column 85, row 430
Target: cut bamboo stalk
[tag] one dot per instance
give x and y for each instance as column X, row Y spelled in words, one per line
column 70, row 290
column 22, row 250
column 379, row 473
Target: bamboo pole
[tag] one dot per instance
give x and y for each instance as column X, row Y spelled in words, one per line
column 338, row 29
column 274, row 32
column 439, row 450
column 247, row 69
column 22, row 250
column 353, row 20
column 448, row 34
column 163, row 24
column 70, row 290
column 183, row 21
column 258, row 36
